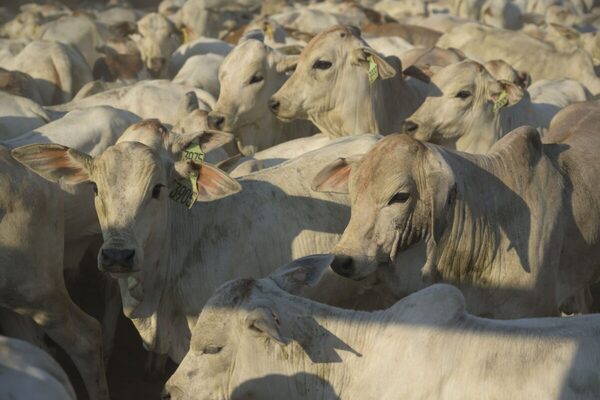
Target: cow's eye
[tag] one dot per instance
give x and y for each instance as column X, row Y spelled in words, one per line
column 256, row 78
column 320, row 64
column 463, row 94
column 399, row 197
column 94, row 188
column 212, row 349
column 156, row 191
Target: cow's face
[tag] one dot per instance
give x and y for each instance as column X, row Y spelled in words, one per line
column 132, row 185
column 397, row 192
column 157, row 39
column 331, row 74
column 461, row 98
column 249, row 76
column 239, row 338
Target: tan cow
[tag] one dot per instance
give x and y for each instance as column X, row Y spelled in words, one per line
column 468, row 110
column 170, row 259
column 523, row 52
column 58, row 69
column 249, row 76
column 254, row 340
column 515, row 229
column 31, row 270
column 331, row 87
column 157, row 38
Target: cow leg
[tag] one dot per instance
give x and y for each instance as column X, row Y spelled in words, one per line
column 110, row 318
column 79, row 335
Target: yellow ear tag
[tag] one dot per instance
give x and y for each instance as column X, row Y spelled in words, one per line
column 268, row 28
column 186, row 189
column 373, row 72
column 501, row 101
column 185, row 36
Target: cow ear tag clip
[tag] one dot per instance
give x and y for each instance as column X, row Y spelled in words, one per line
column 373, row 71
column 501, row 101
column 186, row 189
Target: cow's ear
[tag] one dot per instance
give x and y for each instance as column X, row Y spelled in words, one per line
column 442, row 193
column 211, row 183
column 363, row 57
column 286, row 64
column 504, row 93
column 264, row 322
column 55, row 162
column 303, row 272
column 334, row 177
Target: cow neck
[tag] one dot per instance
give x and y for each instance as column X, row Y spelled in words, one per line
column 469, row 245
column 382, row 108
column 509, row 118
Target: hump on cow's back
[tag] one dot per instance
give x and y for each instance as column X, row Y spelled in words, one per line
column 578, row 117
column 523, row 143
column 437, row 304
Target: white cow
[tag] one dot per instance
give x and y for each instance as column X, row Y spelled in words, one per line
column 255, row 340
column 249, row 76
column 523, row 52
column 170, row 259
column 58, row 69
column 160, row 99
column 202, row 72
column 31, row 273
column 197, row 47
column 331, row 87
column 19, row 115
column 26, row 372
column 468, row 110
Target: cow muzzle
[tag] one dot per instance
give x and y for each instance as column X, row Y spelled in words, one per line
column 343, row 265
column 119, row 261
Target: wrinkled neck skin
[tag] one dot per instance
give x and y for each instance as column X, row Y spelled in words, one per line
column 383, row 110
column 468, row 248
column 142, row 292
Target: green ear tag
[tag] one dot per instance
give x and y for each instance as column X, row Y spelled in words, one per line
column 501, row 101
column 186, row 189
column 373, row 71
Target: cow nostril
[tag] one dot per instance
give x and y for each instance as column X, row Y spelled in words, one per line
column 343, row 265
column 165, row 395
column 121, row 257
column 409, row 126
column 216, row 121
column 274, row 105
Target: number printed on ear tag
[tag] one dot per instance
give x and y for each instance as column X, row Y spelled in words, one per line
column 186, row 190
column 373, row 70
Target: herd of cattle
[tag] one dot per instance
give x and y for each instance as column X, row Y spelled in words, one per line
column 450, row 258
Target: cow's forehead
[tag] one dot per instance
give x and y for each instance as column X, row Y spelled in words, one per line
column 250, row 51
column 460, row 74
column 131, row 159
column 393, row 155
column 332, row 36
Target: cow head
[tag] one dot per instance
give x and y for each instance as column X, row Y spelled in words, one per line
column 157, row 38
column 249, row 76
column 244, row 333
column 400, row 193
column 132, row 181
column 330, row 79
column 463, row 98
